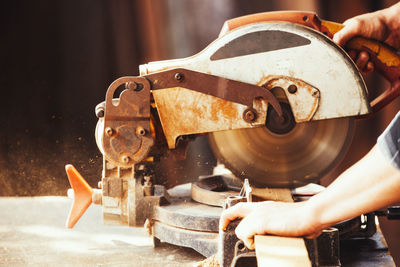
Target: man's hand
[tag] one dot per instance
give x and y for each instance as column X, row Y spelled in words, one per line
column 382, row 25
column 274, row 218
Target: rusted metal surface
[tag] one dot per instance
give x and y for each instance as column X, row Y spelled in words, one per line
column 220, row 87
column 112, row 187
column 124, row 199
column 193, row 103
column 190, row 102
column 183, row 112
column 127, row 139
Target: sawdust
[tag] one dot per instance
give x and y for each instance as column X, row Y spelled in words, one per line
column 34, row 166
column 211, row 261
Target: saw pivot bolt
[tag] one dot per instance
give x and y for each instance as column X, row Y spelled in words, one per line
column 125, row 159
column 109, row 131
column 249, row 115
column 179, row 77
column 292, row 89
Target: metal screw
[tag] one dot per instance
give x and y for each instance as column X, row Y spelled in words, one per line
column 125, row 159
column 179, row 76
column 315, row 93
column 109, row 131
column 241, row 246
column 140, row 131
column 100, row 113
column 292, row 89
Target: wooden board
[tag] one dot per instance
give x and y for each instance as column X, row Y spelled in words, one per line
column 275, row 194
column 277, row 250
column 281, row 251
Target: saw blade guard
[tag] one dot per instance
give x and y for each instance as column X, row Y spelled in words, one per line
column 254, row 52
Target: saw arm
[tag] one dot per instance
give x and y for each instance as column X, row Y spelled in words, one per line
column 183, row 99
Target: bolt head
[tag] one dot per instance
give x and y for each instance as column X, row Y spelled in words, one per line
column 109, row 131
column 179, row 77
column 100, row 113
column 315, row 93
column 249, row 115
column 140, row 131
column 292, row 89
column 125, row 159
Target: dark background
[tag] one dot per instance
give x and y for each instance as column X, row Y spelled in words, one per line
column 57, row 59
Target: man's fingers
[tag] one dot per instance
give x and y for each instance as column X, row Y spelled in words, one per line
column 225, row 219
column 227, row 216
column 370, row 68
column 362, row 60
column 314, row 235
column 245, row 232
column 350, row 29
column 239, row 210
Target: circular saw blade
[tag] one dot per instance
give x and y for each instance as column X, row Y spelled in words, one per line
column 296, row 158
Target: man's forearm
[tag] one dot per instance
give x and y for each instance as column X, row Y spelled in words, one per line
column 370, row 184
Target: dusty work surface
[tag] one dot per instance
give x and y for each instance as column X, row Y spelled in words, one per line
column 32, row 233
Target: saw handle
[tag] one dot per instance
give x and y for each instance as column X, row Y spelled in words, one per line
column 387, row 63
column 384, row 57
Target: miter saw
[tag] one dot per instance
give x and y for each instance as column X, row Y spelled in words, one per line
column 275, row 94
